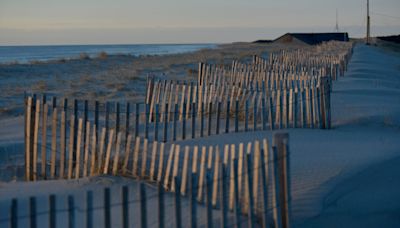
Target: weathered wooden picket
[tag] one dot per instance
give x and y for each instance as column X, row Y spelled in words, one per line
column 251, row 180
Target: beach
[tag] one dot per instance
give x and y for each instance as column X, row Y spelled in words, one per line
column 347, row 176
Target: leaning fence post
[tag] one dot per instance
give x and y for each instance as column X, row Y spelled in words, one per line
column 89, row 209
column 52, row 211
column 28, row 140
column 280, row 141
column 146, row 124
column 209, row 118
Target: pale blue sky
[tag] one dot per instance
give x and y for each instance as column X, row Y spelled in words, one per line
column 183, row 21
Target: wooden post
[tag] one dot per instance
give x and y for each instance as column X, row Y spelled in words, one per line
column 71, row 212
column 153, row 161
column 28, row 140
column 216, row 177
column 63, row 141
column 94, row 148
column 146, row 124
column 78, row 149
column 107, row 207
column 101, row 150
column 117, row 152
column 144, row 158
column 53, row 144
column 178, row 216
column 89, row 209
column 176, row 167
column 143, row 205
column 185, row 171
column 108, row 153
column 232, row 179
column 271, row 114
column 127, row 154
column 44, row 136
column 280, row 141
column 71, row 147
column 276, row 207
column 86, row 149
column 136, row 157
column 160, row 163
column 35, row 140
column 52, row 210
column 169, row 165
column 202, row 173
column 256, row 171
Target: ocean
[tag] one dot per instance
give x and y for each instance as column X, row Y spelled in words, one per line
column 26, row 54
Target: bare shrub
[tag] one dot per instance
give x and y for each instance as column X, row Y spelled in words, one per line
column 102, row 55
column 84, row 56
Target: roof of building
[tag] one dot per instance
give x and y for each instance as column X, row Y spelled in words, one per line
column 313, row 38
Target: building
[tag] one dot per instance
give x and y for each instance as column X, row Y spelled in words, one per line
column 312, row 38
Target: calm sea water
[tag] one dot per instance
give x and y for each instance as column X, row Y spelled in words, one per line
column 24, row 54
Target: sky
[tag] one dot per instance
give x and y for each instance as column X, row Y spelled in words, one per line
column 37, row 22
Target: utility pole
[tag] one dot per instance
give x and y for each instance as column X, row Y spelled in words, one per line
column 337, row 23
column 368, row 25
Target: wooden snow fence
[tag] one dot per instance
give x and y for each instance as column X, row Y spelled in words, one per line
column 249, row 178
